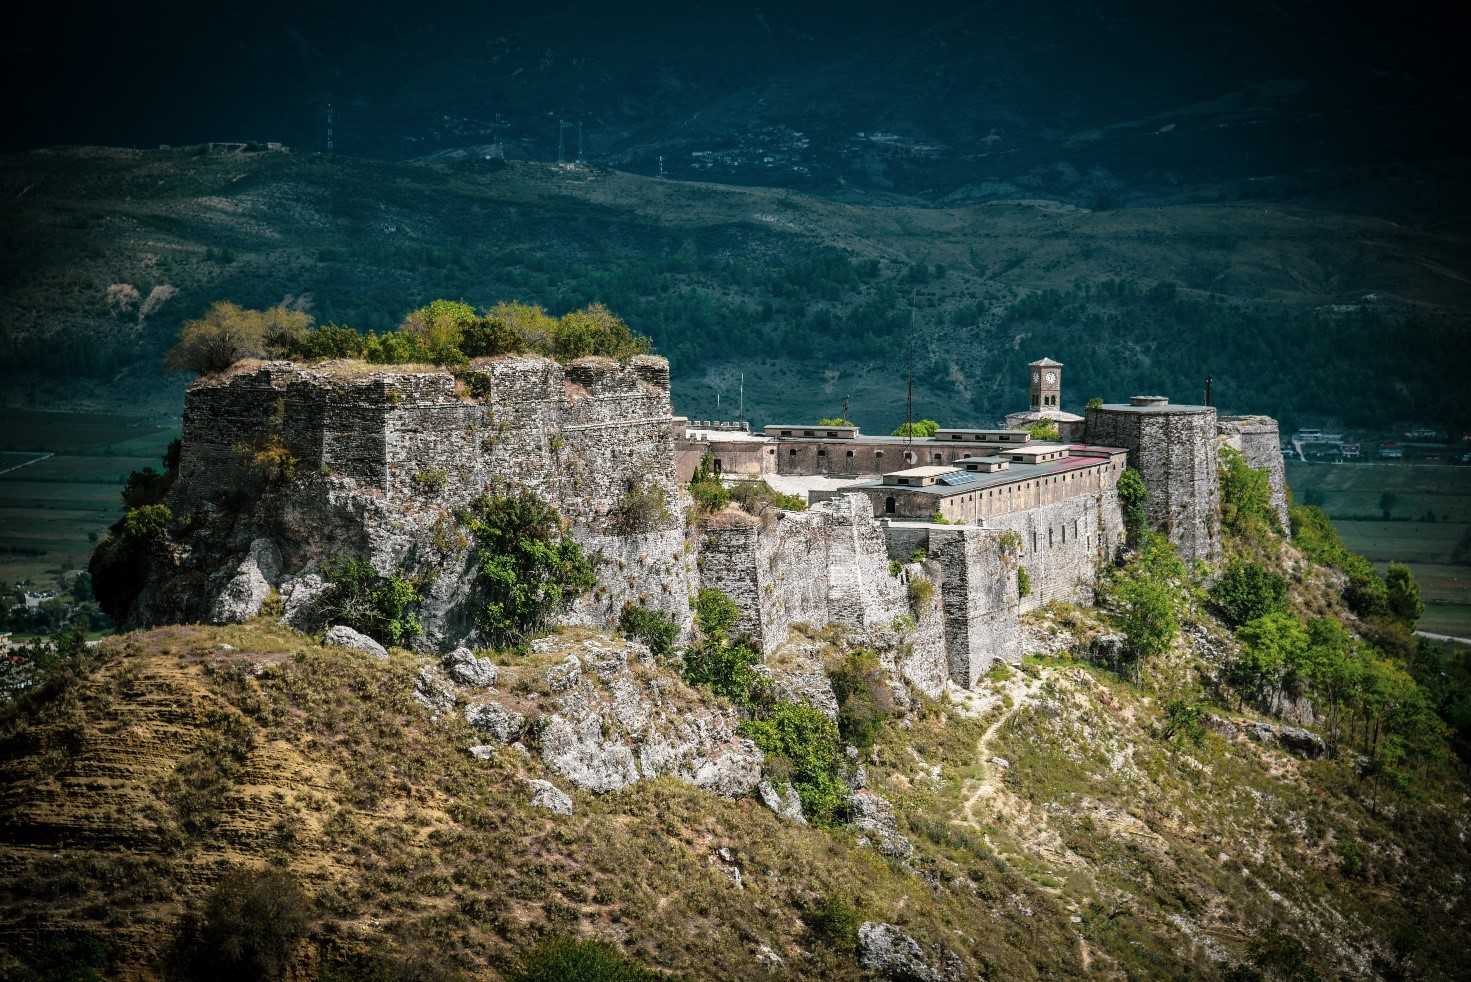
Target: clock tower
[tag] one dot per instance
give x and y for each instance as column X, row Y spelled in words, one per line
column 1045, row 385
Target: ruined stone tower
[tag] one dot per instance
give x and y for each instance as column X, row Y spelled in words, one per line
column 1046, row 384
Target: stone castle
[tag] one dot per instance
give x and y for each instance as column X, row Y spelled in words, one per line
column 383, row 457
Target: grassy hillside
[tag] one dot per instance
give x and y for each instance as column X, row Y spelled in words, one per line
column 812, row 299
column 1056, row 832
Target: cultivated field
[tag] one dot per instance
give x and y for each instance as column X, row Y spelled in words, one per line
column 53, row 507
column 1350, row 494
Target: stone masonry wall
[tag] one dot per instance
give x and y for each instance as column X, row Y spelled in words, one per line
column 1063, row 545
column 826, row 565
column 1175, row 453
column 1260, row 442
column 384, row 456
column 978, row 598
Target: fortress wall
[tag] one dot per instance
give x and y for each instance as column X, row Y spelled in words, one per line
column 826, row 565
column 978, row 601
column 1175, row 453
column 577, row 436
column 1260, row 442
column 1062, row 545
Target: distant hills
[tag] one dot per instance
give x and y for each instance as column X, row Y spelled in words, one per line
column 1296, row 307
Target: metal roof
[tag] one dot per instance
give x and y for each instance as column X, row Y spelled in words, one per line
column 1045, row 363
column 1018, row 473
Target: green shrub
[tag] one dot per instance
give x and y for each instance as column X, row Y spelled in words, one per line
column 250, row 924
column 1314, row 534
column 529, row 567
column 1184, row 719
column 1023, row 582
column 1272, row 657
column 571, row 960
column 653, row 628
column 328, row 341
column 431, row 480
column 119, row 565
column 864, row 698
column 807, row 741
column 1246, row 497
column 834, row 421
column 921, row 592
column 360, row 597
column 641, row 508
column 228, row 332
column 149, row 487
column 1134, row 502
column 920, row 428
column 727, row 668
column 1044, row 430
column 706, row 488
column 1147, row 618
column 394, row 348
column 1402, row 594
column 1248, row 590
column 757, row 496
column 833, row 921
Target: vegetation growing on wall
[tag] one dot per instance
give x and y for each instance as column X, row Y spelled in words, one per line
column 528, row 568
column 641, row 508
column 757, row 497
column 717, row 658
column 1246, row 499
column 1133, row 501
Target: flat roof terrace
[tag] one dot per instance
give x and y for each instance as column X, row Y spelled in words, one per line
column 955, row 481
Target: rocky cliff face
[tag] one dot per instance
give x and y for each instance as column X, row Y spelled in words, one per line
column 285, row 467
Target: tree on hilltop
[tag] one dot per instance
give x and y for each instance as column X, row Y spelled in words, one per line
column 228, row 332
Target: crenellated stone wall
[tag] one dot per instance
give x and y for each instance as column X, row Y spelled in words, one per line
column 1260, row 442
column 384, row 456
column 1174, row 450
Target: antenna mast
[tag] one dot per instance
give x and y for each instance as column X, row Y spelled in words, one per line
column 579, row 141
column 561, row 126
column 330, row 116
column 743, row 395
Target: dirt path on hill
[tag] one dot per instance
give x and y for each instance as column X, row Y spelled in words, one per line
column 1019, row 687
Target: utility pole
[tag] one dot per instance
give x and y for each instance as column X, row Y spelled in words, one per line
column 1207, row 390
column 845, row 407
column 579, row 141
column 743, row 395
column 561, row 126
column 330, row 116
column 661, row 165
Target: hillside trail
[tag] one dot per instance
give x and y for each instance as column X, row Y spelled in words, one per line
column 987, row 800
column 1019, row 688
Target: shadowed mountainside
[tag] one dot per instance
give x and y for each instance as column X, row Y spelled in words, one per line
column 812, row 299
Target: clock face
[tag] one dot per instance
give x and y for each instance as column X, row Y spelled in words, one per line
column 1052, row 376
column 1036, row 377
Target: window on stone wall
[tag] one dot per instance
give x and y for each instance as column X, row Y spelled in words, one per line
column 792, row 453
column 821, row 452
column 889, row 506
column 850, row 453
